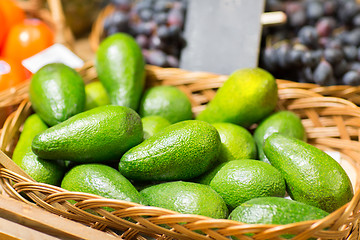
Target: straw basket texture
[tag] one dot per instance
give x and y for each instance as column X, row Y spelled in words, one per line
column 51, row 12
column 331, row 124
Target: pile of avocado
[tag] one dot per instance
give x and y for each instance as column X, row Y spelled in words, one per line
column 238, row 159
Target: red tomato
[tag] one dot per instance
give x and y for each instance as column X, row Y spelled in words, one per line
column 11, row 73
column 11, row 14
column 27, row 38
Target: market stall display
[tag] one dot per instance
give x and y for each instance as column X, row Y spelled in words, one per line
column 330, row 125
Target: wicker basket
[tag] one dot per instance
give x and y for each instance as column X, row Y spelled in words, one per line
column 53, row 16
column 331, row 124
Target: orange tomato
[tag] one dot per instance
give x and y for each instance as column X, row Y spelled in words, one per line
column 27, row 38
column 11, row 73
column 11, row 14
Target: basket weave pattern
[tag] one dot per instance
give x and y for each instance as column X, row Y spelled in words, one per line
column 331, row 124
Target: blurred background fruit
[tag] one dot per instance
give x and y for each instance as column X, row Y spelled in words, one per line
column 156, row 25
column 27, row 38
column 10, row 15
column 318, row 44
column 11, row 73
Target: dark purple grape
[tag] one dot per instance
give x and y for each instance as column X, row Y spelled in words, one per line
column 282, row 53
column 352, row 38
column 310, row 59
column 351, row 78
column 333, row 55
column 308, row 36
column 162, row 6
column 347, row 11
column 146, row 28
column 269, row 59
column 295, row 57
column 111, row 30
column 323, row 73
column 350, row 53
column 340, row 68
column 355, row 66
column 308, row 75
column 144, row 4
column 122, row 5
column 275, row 5
column 118, row 20
column 314, row 10
column 163, row 32
column 325, row 26
column 146, row 14
column 330, row 7
column 156, row 43
column 142, row 40
column 175, row 17
column 160, row 18
column 297, row 19
column 334, row 43
column 172, row 61
column 157, row 57
column 356, row 20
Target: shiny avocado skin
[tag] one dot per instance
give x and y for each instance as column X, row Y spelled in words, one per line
column 275, row 210
column 311, row 176
column 101, row 134
column 101, row 180
column 57, row 92
column 180, row 151
column 121, row 69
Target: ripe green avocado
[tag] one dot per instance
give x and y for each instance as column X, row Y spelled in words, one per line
column 311, row 176
column 238, row 181
column 102, row 134
column 246, row 97
column 275, row 210
column 101, row 180
column 187, row 198
column 181, row 151
column 284, row 122
column 57, row 92
column 121, row 69
column 40, row 170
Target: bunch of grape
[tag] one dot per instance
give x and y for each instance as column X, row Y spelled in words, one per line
column 320, row 43
column 157, row 26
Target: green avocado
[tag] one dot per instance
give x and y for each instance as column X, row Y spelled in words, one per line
column 187, row 198
column 120, row 67
column 275, row 210
column 311, row 175
column 246, row 97
column 57, row 92
column 40, row 170
column 180, row 151
column 101, row 180
column 102, row 134
column 284, row 122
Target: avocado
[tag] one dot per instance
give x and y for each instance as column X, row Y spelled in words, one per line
column 153, row 124
column 168, row 102
column 96, row 95
column 40, row 170
column 311, row 176
column 246, row 97
column 285, row 122
column 101, row 180
column 120, row 67
column 57, row 92
column 101, row 134
column 238, row 181
column 187, row 198
column 275, row 210
column 236, row 142
column 181, row 151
